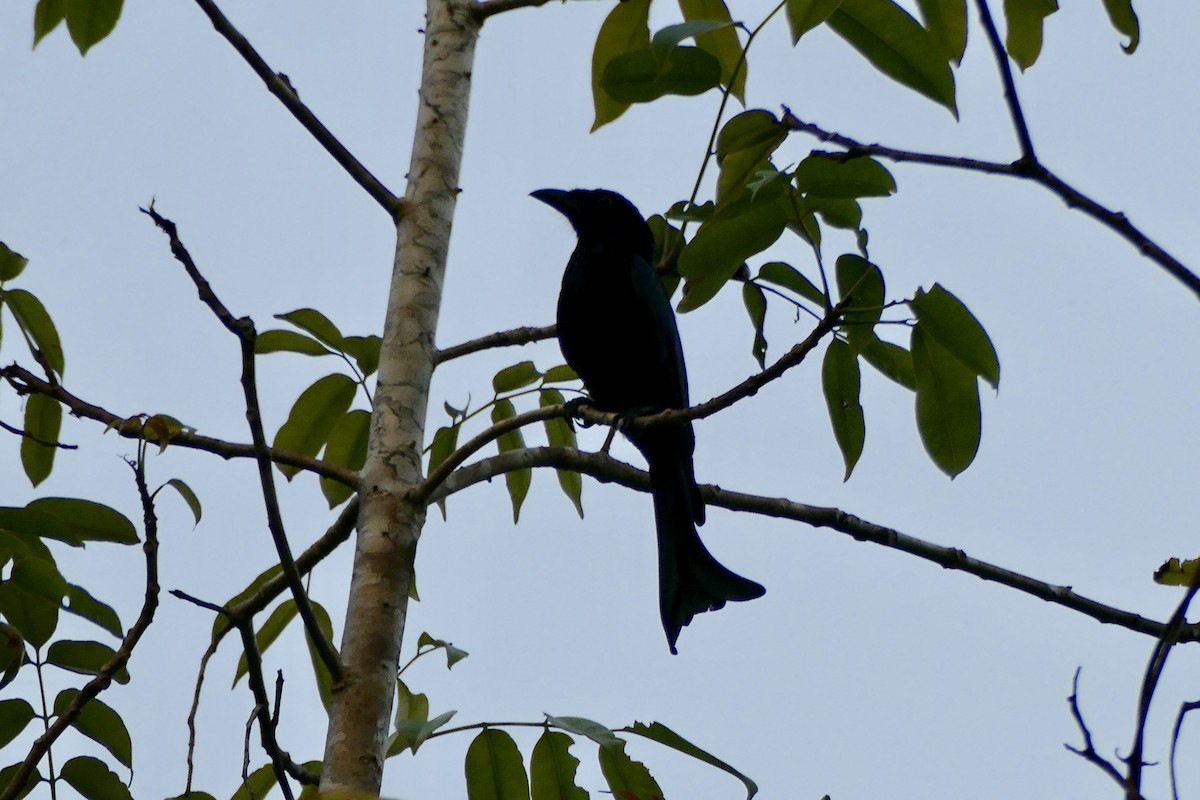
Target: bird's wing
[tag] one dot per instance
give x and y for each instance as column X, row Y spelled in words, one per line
column 669, row 350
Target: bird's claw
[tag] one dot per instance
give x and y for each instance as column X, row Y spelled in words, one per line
column 572, row 412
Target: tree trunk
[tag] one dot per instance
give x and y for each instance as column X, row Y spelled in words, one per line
column 389, row 525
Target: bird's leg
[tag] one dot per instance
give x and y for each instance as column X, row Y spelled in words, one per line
column 572, row 406
column 623, row 420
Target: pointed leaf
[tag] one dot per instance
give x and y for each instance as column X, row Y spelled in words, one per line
column 518, row 376
column 12, row 263
column 892, row 360
column 946, row 21
column 320, row 671
column 755, row 301
column 91, row 522
column 627, row 778
column 82, row 604
column 832, row 176
column 517, row 481
column 15, row 715
column 90, row 21
column 804, row 15
column 494, row 768
column 897, row 46
column 560, row 434
column 1025, row 20
column 92, row 778
column 278, row 341
column 667, row 39
column 313, row 417
column 412, row 733
column 46, row 17
column 948, row 416
column 560, row 374
column 1125, row 20
column 944, row 317
column 43, row 421
column 316, row 323
column 347, row 447
column 840, row 380
column 365, row 351
column 664, row 735
column 624, row 30
column 34, row 320
column 189, row 497
column 24, row 601
column 863, row 281
column 257, row 784
column 600, row 734
column 724, row 242
column 788, row 277
column 743, row 148
column 552, row 769
column 723, row 44
column 12, row 658
column 100, row 723
column 84, row 658
column 265, row 636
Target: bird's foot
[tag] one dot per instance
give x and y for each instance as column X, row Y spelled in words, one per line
column 572, row 416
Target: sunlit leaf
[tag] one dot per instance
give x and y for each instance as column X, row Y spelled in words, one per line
column 316, row 323
column 743, row 147
column 724, row 242
column 365, row 351
column 560, row 374
column 257, row 784
column 1173, row 572
column 410, row 734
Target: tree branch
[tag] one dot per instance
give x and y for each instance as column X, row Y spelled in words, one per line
column 279, row 85
column 243, row 329
column 608, row 470
column 1010, row 86
column 1115, row 221
column 489, row 8
column 1088, row 751
column 515, row 336
column 119, row 659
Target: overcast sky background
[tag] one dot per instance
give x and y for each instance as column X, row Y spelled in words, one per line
column 863, row 672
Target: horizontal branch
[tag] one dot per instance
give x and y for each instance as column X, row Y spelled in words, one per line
column 509, row 338
column 26, row 382
column 489, row 8
column 279, row 85
column 608, row 470
column 1024, row 169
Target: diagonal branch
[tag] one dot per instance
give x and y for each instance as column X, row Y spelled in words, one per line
column 279, row 85
column 1010, row 86
column 608, row 470
column 1115, row 221
column 488, row 8
column 525, row 335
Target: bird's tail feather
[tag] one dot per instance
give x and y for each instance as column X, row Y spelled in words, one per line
column 690, row 580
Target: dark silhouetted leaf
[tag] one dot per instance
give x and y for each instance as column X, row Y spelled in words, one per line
column 100, row 723
column 267, row 633
column 85, row 658
column 724, row 242
column 14, row 716
column 600, row 734
column 90, row 21
column 12, row 263
column 257, row 784
column 552, row 769
column 804, row 15
column 892, row 360
column 46, row 17
column 1125, row 20
column 270, row 572
column 365, row 351
column 944, row 317
column 289, row 341
column 624, row 30
column 560, row 434
column 948, row 416
column 946, row 21
column 788, row 277
column 756, row 307
column 660, row 733
column 861, row 280
column 347, row 447
column 841, row 381
column 189, row 497
column 43, row 420
column 641, row 76
column 91, row 522
column 723, row 44
column 313, row 417
column 627, row 778
column 320, row 671
column 82, row 604
column 831, row 176
column 1025, row 20
column 494, row 768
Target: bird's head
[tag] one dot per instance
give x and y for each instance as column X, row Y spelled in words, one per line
column 598, row 214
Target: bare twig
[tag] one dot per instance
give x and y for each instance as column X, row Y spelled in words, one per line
column 515, row 336
column 608, row 470
column 25, row 382
column 1114, row 220
column 119, row 659
column 1184, row 710
column 27, row 435
column 243, row 329
column 1088, row 751
column 280, row 86
column 1010, row 86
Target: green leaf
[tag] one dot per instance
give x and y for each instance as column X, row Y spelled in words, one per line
column 412, row 733
column 270, row 572
column 14, row 716
column 313, row 417
column 90, row 522
column 722, row 44
column 347, row 447
column 845, row 214
column 892, row 360
column 31, row 597
column 100, row 723
column 90, row 21
column 32, row 318
column 624, row 30
column 257, row 784
column 1024, row 37
column 804, row 15
column 316, row 323
column 43, row 420
column 1124, row 19
column 897, row 46
column 31, row 526
column 46, row 17
column 626, row 777
column 944, row 317
column 518, row 376
column 12, row 263
column 517, row 481
column 365, row 351
column 667, row 39
column 841, row 381
column 724, row 242
column 744, row 146
column 552, row 769
column 561, row 374
column 494, row 768
column 660, row 733
column 320, row 671
column 755, row 301
column 862, row 281
column 12, row 658
column 946, row 21
column 559, row 433
column 82, row 604
column 279, row 341
column 948, row 416
column 9, row 773
column 581, row 726
column 265, row 636
column 788, row 277
column 445, row 440
column 84, row 658
column 189, row 497
column 641, row 76
column 834, row 176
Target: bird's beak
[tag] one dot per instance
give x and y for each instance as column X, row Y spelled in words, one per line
column 557, row 199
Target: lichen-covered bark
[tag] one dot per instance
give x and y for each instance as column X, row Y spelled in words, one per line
column 388, row 525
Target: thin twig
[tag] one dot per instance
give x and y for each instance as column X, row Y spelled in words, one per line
column 1115, row 221
column 1088, row 751
column 280, row 86
column 515, row 336
column 243, row 329
column 27, row 435
column 1184, row 710
column 118, row 660
column 1010, row 87
column 608, row 470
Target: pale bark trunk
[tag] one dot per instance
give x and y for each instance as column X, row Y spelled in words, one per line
column 388, row 525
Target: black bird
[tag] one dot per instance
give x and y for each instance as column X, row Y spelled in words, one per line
column 617, row 330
